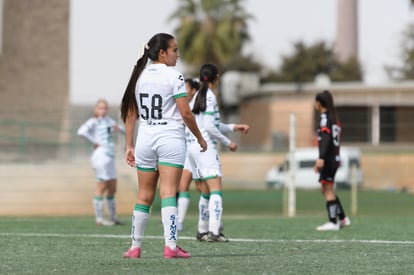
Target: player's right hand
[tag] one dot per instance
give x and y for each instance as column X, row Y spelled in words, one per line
column 130, row 157
column 233, row 146
column 203, row 144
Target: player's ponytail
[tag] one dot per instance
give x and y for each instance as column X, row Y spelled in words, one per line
column 208, row 74
column 325, row 98
column 129, row 103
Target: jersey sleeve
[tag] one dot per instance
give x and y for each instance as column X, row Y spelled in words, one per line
column 210, row 123
column 213, row 131
column 178, row 86
column 226, row 128
column 86, row 130
column 324, row 136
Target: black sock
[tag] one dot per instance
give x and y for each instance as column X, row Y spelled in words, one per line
column 331, row 207
column 340, row 210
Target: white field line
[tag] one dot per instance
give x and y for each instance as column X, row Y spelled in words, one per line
column 45, row 235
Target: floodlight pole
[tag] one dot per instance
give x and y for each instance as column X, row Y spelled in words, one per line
column 292, row 168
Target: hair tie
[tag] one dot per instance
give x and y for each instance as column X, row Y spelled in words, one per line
column 205, row 78
column 144, row 47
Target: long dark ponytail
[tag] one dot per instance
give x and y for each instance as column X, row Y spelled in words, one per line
column 208, row 74
column 326, row 100
column 158, row 42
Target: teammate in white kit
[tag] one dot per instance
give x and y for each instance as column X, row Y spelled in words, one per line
column 156, row 95
column 207, row 167
column 99, row 131
column 183, row 197
column 183, row 200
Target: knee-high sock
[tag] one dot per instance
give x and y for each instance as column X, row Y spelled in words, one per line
column 340, row 210
column 215, row 207
column 139, row 223
column 169, row 221
column 182, row 204
column 111, row 204
column 98, row 205
column 203, row 213
column 331, row 207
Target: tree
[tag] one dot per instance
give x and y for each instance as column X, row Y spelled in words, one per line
column 404, row 70
column 307, row 62
column 211, row 30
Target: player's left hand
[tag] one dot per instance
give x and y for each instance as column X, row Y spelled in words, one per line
column 130, row 157
column 243, row 128
column 318, row 165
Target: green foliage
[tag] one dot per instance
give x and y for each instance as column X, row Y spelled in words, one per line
column 243, row 64
column 349, row 71
column 405, row 70
column 306, row 62
column 211, row 30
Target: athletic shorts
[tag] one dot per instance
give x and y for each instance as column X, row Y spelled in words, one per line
column 160, row 145
column 205, row 165
column 103, row 165
column 327, row 174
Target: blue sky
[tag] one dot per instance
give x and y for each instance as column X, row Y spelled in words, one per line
column 106, row 36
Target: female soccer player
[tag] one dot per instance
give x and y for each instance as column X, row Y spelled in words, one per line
column 206, row 166
column 99, row 131
column 156, row 95
column 329, row 132
column 183, row 200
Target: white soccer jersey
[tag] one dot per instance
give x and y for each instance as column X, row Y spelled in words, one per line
column 156, row 91
column 100, row 131
column 161, row 134
column 207, row 164
column 209, row 122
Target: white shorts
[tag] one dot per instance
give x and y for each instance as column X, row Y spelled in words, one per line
column 205, row 165
column 160, row 145
column 103, row 165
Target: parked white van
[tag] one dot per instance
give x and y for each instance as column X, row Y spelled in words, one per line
column 306, row 177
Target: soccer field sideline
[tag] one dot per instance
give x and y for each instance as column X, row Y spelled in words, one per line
column 245, row 240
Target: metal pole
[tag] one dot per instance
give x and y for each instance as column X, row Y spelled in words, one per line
column 354, row 193
column 292, row 168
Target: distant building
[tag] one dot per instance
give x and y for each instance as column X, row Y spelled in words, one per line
column 370, row 115
column 34, row 70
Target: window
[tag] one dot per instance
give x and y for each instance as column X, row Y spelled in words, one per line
column 307, row 163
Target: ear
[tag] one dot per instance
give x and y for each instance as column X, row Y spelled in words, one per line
column 161, row 55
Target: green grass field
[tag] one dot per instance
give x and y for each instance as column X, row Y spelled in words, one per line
column 262, row 240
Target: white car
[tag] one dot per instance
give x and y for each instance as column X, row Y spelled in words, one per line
column 305, row 176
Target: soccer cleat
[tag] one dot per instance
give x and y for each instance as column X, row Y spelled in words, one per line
column 180, row 227
column 202, row 237
column 216, row 238
column 133, row 253
column 345, row 222
column 105, row 223
column 178, row 252
column 118, row 222
column 329, row 226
